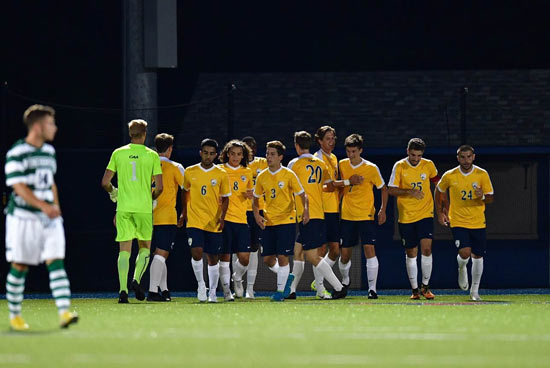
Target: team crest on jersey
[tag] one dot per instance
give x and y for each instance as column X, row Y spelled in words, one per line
column 258, row 171
column 213, row 182
column 423, row 176
column 475, row 185
column 190, row 241
column 457, row 243
column 243, row 178
column 281, row 184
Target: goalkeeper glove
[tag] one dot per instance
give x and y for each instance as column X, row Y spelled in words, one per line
column 114, row 194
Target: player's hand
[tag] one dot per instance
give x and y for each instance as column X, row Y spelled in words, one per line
column 51, row 210
column 355, row 179
column 381, row 217
column 443, row 219
column 221, row 223
column 260, row 221
column 181, row 219
column 248, row 194
column 416, row 193
column 305, row 217
column 155, row 203
column 479, row 192
column 114, row 194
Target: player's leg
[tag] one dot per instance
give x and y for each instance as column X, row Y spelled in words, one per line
column 126, row 232
column 424, row 231
column 252, row 270
column 212, row 245
column 479, row 244
column 144, row 229
column 409, row 242
column 350, row 237
column 462, row 242
column 240, row 266
column 297, row 266
column 368, row 239
column 163, row 239
column 285, row 239
column 225, row 259
column 332, row 229
column 15, row 287
column 195, row 239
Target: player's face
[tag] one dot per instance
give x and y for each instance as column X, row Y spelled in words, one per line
column 414, row 156
column 328, row 142
column 208, row 155
column 235, row 155
column 273, row 158
column 48, row 128
column 466, row 160
column 354, row 154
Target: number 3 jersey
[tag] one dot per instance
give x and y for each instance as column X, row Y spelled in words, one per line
column 205, row 187
column 240, row 180
column 406, row 176
column 134, row 165
column 466, row 209
column 35, row 167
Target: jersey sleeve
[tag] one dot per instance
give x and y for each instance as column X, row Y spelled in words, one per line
column 157, row 169
column 433, row 170
column 443, row 184
column 486, row 184
column 258, row 188
column 180, row 173
column 112, row 163
column 225, row 191
column 186, row 182
column 395, row 177
column 377, row 179
column 295, row 185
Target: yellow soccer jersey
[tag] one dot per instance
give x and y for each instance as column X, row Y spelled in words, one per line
column 406, row 176
column 466, row 210
column 331, row 200
column 358, row 200
column 172, row 178
column 312, row 173
column 258, row 165
column 240, row 180
column 279, row 188
column 205, row 188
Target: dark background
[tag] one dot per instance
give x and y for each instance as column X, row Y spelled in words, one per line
column 69, row 55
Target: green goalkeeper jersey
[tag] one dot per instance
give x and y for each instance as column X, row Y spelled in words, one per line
column 135, row 165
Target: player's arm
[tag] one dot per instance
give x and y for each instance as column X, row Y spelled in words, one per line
column 184, row 195
column 353, row 180
column 158, row 186
column 256, row 209
column 484, row 197
column 383, row 205
column 224, row 206
column 106, row 184
column 305, row 201
column 396, row 192
column 23, row 191
column 442, row 206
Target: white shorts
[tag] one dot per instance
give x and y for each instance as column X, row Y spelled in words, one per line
column 33, row 241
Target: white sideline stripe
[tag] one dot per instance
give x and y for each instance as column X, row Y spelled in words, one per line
column 15, row 280
column 7, row 358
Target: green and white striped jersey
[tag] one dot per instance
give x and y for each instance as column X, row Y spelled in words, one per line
column 34, row 167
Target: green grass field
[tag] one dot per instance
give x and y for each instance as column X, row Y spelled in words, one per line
column 503, row 331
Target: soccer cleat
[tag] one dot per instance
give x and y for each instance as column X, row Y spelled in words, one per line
column 201, row 293
column 155, row 297
column 166, row 295
column 372, row 294
column 291, row 296
column 67, row 318
column 463, row 278
column 228, row 297
column 289, row 280
column 17, row 323
column 426, row 292
column 313, row 286
column 278, row 297
column 238, row 287
column 340, row 294
column 249, row 294
column 475, row 297
column 212, row 298
column 136, row 287
column 123, row 297
column 325, row 295
column 415, row 294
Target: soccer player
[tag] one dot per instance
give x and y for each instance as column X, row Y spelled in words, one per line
column 34, row 227
column 470, row 189
column 313, row 174
column 136, row 167
column 236, row 236
column 257, row 165
column 410, row 183
column 358, row 211
column 206, row 183
column 165, row 219
column 280, row 185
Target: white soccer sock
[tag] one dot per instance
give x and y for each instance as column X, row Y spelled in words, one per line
column 282, row 276
column 344, row 271
column 275, row 267
column 329, row 261
column 297, row 271
column 225, row 276
column 213, row 277
column 198, row 270
column 252, row 271
column 239, row 271
column 477, row 271
column 426, row 262
column 319, row 281
column 461, row 261
column 412, row 271
column 155, row 273
column 372, row 272
column 164, row 278
column 325, row 270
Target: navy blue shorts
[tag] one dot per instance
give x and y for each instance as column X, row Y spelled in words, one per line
column 278, row 240
column 353, row 231
column 255, row 231
column 236, row 238
column 209, row 241
column 473, row 238
column 164, row 237
column 412, row 233
column 313, row 235
column 332, row 224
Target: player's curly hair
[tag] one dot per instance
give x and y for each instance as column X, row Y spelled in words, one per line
column 320, row 134
column 247, row 152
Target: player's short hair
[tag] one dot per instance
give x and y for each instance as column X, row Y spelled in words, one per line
column 465, row 148
column 137, row 128
column 250, row 141
column 163, row 141
column 354, row 140
column 278, row 145
column 210, row 143
column 302, row 139
column 35, row 113
column 320, row 134
column 247, row 152
column 416, row 144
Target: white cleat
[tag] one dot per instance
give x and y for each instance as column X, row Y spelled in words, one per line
column 463, row 278
column 238, row 287
column 201, row 293
column 475, row 297
column 228, row 297
column 212, row 298
column 324, row 295
column 249, row 294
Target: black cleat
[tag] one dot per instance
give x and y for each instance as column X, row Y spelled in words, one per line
column 123, row 297
column 140, row 294
column 166, row 295
column 340, row 294
column 154, row 297
column 291, row 296
column 372, row 294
